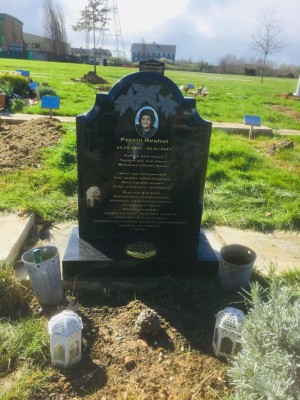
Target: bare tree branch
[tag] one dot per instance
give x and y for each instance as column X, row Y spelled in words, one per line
column 54, row 26
column 268, row 39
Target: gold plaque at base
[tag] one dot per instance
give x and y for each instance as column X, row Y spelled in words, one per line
column 141, row 249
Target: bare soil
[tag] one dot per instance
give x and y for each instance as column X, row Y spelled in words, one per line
column 22, row 144
column 290, row 112
column 118, row 363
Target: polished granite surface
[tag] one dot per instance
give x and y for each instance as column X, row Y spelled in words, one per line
column 107, row 257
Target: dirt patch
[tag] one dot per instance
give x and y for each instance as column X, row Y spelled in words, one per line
column 295, row 115
column 289, row 96
column 21, row 144
column 118, row 363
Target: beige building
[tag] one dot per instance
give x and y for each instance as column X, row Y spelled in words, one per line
column 14, row 43
column 40, row 48
column 11, row 33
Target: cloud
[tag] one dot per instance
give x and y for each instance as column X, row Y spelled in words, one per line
column 139, row 16
column 201, row 30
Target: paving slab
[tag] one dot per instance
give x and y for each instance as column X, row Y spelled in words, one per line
column 279, row 248
column 287, row 132
column 14, row 230
column 242, row 128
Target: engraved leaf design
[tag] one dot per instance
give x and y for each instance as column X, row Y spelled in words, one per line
column 126, row 101
column 167, row 104
column 146, row 94
column 139, row 94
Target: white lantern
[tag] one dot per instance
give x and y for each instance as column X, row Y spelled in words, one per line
column 227, row 332
column 65, row 338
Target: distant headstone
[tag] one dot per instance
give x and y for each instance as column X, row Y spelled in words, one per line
column 152, row 66
column 142, row 154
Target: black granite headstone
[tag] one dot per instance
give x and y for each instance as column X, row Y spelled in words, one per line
column 142, row 158
column 152, row 66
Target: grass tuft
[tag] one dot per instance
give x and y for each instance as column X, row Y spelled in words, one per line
column 11, row 293
column 22, row 341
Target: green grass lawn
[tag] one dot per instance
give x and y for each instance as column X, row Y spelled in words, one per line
column 246, row 185
column 231, row 96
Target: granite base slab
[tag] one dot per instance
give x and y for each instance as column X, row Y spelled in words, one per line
column 107, row 258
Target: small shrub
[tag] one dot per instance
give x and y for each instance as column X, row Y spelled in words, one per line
column 46, row 90
column 6, row 88
column 17, row 106
column 268, row 367
column 17, row 83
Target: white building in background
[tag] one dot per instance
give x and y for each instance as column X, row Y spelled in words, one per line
column 153, row 51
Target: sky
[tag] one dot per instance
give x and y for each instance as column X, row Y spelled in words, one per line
column 202, row 30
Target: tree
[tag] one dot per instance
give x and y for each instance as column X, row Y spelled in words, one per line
column 268, row 38
column 226, row 63
column 93, row 18
column 54, row 27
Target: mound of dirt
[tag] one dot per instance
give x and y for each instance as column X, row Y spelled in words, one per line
column 92, row 77
column 21, row 144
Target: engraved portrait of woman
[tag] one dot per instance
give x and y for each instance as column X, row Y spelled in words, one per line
column 146, row 122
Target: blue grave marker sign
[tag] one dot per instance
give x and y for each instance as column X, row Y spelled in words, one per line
column 24, row 73
column 252, row 120
column 33, row 85
column 51, row 102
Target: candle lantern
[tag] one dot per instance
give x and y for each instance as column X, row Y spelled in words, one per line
column 65, row 338
column 227, row 332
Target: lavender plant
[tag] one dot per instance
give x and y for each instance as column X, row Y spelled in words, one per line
column 268, row 366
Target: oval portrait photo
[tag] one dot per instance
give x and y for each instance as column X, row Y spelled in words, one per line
column 146, row 122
